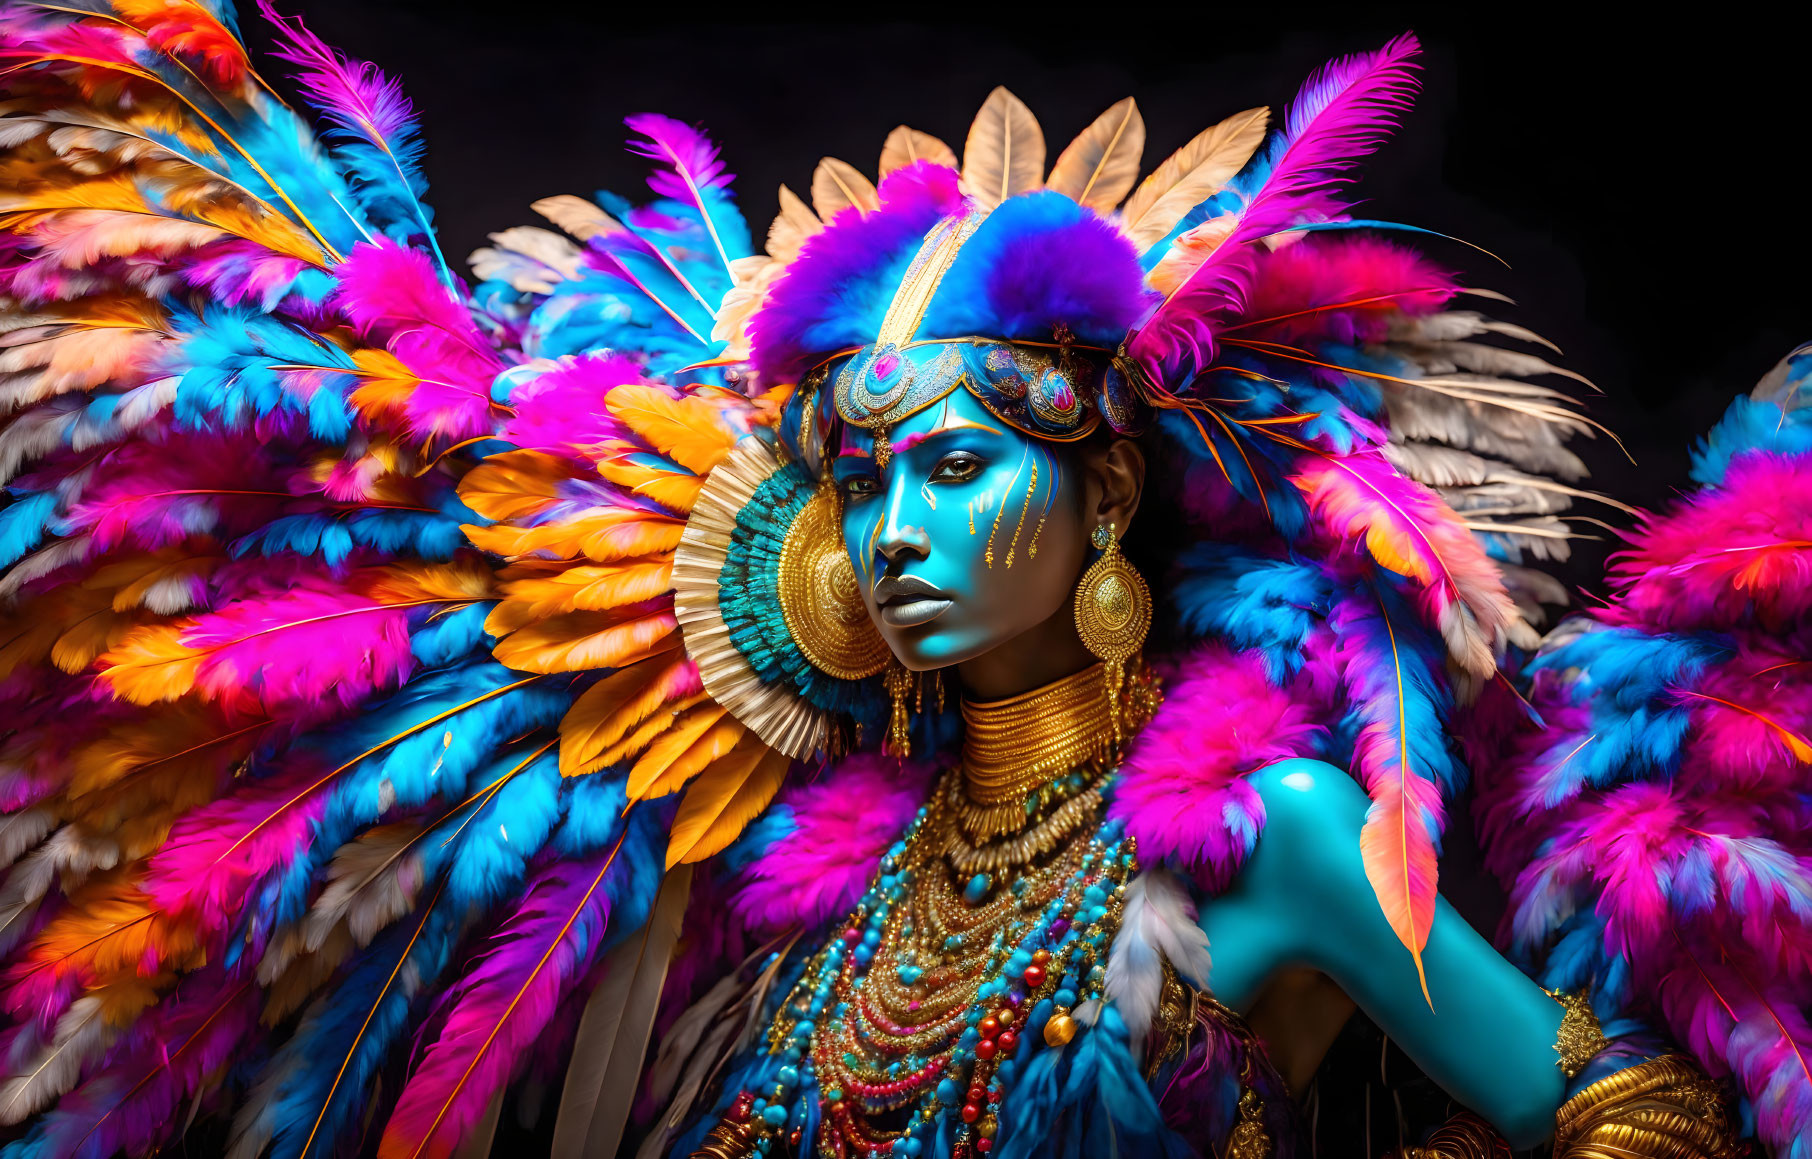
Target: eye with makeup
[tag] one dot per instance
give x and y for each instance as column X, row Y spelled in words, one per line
column 858, row 485
column 957, row 467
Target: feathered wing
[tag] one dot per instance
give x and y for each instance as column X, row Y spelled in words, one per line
column 1654, row 836
column 340, row 612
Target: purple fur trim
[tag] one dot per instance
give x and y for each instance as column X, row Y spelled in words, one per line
column 837, row 290
column 1039, row 261
column 1183, row 791
column 843, row 823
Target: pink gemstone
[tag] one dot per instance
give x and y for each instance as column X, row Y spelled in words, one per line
column 913, row 1005
column 1061, row 394
column 886, row 365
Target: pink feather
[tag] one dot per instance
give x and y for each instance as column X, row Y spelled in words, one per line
column 1409, row 530
column 393, row 296
column 1183, row 791
column 217, row 854
column 1342, row 113
column 819, row 870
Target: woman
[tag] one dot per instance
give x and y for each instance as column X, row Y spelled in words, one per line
column 442, row 658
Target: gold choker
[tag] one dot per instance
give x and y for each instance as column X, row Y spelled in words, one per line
column 1013, row 748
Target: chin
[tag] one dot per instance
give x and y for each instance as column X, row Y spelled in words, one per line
column 932, row 646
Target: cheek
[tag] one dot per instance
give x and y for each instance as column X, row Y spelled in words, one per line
column 1023, row 548
column 861, row 531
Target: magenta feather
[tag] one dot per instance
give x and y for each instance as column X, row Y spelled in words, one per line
column 391, row 295
column 317, row 641
column 502, row 1005
column 1183, row 791
column 561, row 410
column 1342, row 113
column 217, row 854
column 1739, row 553
column 694, row 176
column 139, row 1099
column 819, row 870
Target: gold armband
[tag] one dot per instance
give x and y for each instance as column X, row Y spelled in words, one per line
column 1580, row 1037
column 1665, row 1108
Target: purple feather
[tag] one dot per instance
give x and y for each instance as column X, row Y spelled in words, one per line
column 835, row 293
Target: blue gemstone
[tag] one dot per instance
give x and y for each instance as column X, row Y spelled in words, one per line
column 948, row 1093
column 912, row 1147
column 774, row 1116
column 977, row 889
column 787, row 1076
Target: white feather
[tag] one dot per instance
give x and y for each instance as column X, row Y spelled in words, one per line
column 21, row 831
column 81, row 1034
column 71, row 852
column 1158, row 925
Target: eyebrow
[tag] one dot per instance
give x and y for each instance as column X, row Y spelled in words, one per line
column 901, row 446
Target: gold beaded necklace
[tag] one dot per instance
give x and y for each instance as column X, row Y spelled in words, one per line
column 1006, row 891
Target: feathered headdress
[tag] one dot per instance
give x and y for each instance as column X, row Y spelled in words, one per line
column 375, row 645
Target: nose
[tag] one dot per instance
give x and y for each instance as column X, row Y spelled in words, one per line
column 898, row 540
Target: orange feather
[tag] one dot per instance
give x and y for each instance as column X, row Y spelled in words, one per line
column 583, row 641
column 643, row 735
column 671, row 745
column 716, row 743
column 688, row 430
column 594, row 589
column 724, row 800
column 607, row 710
column 671, row 489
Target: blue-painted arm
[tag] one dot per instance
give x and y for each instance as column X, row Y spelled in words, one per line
column 1303, row 900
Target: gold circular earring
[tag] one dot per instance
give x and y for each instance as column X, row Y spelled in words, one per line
column 1113, row 613
column 819, row 598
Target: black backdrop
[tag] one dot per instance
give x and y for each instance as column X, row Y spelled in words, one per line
column 1645, row 177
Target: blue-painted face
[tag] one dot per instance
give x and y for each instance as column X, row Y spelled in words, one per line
column 970, row 536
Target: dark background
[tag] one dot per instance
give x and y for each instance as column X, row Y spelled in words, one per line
column 1643, row 176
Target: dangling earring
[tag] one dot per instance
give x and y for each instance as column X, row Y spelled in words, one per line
column 899, row 729
column 1113, row 613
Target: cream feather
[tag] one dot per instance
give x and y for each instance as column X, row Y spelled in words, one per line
column 1158, row 925
column 791, row 226
column 576, row 216
column 1004, row 153
column 1456, row 325
column 68, row 857
column 1099, row 167
column 1191, row 176
column 532, row 260
column 612, row 1038
column 838, row 185
column 38, row 1079
column 22, row 831
column 906, row 145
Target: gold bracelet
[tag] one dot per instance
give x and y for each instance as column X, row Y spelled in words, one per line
column 1580, row 1037
column 1465, row 1136
column 1665, row 1108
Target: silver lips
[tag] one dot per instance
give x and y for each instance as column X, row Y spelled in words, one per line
column 907, row 601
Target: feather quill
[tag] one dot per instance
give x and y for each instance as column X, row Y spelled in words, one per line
column 907, row 146
column 1191, row 176
column 1004, row 153
column 1099, row 167
column 837, row 186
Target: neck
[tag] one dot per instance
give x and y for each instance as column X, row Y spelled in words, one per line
column 1013, row 745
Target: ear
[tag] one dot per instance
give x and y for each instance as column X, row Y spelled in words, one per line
column 1117, row 478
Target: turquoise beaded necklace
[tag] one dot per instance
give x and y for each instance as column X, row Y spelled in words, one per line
column 937, row 1070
